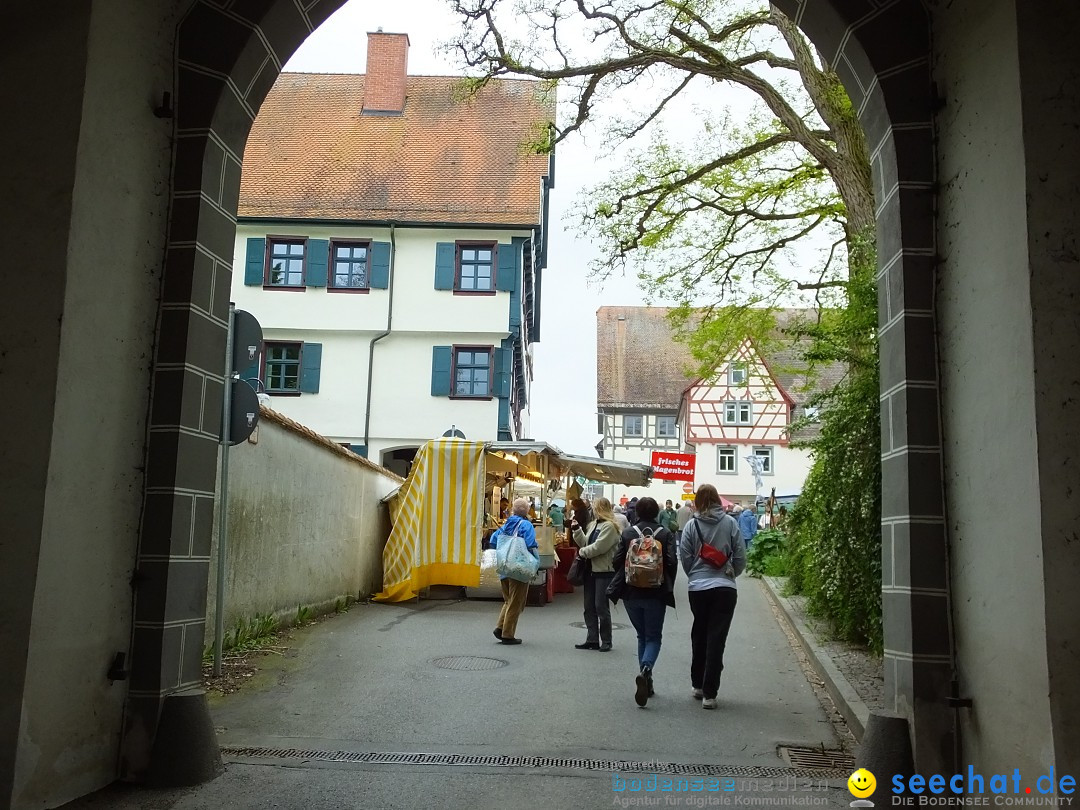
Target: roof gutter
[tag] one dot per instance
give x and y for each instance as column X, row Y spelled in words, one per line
column 380, row 336
column 383, row 223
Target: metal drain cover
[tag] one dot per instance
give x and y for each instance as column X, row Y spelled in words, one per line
column 817, row 758
column 472, row 663
column 561, row 764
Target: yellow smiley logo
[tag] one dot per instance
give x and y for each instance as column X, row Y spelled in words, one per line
column 861, row 783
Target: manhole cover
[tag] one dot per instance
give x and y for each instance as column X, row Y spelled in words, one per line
column 614, row 625
column 817, row 758
column 469, row 662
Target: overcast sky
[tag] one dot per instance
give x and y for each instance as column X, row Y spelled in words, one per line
column 563, row 408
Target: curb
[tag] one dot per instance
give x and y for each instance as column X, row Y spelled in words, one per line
column 847, row 700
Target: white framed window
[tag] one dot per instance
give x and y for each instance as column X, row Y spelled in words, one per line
column 737, row 374
column 633, row 425
column 738, row 412
column 665, row 427
column 727, row 460
column 766, row 456
column 811, row 412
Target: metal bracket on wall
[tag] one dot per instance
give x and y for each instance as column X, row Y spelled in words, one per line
column 116, row 671
column 165, row 109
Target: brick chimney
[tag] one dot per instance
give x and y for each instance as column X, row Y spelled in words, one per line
column 387, row 65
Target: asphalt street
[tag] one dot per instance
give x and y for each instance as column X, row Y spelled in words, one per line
column 363, row 712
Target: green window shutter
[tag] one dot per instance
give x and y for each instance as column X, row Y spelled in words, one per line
column 359, row 449
column 504, row 420
column 310, row 365
column 503, row 360
column 506, row 278
column 380, row 265
column 256, row 262
column 442, row 358
column 445, row 265
column 318, row 255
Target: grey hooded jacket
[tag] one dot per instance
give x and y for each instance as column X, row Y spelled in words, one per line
column 721, row 531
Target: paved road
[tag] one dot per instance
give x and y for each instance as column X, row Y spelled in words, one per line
column 367, row 683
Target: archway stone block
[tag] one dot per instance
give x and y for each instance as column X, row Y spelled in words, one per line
column 189, row 278
column 220, row 39
column 187, row 337
column 894, row 35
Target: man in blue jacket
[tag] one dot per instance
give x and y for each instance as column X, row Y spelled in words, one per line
column 514, row 592
column 748, row 524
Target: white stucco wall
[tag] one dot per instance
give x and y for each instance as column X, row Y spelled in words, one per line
column 791, row 468
column 405, row 408
column 71, row 713
column 992, row 481
column 403, row 411
column 305, row 527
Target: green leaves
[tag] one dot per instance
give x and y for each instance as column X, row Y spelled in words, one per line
column 834, row 530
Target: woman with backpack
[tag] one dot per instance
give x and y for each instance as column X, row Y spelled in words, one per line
column 597, row 544
column 712, row 554
column 645, row 565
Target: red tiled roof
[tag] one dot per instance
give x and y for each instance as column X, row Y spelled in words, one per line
column 311, row 154
column 640, row 365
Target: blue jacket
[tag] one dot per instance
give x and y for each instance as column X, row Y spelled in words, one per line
column 524, row 529
column 748, row 523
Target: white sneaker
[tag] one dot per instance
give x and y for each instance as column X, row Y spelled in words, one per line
column 698, row 694
column 708, row 703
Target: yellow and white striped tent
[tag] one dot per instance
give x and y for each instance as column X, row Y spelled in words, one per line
column 437, row 519
column 438, row 514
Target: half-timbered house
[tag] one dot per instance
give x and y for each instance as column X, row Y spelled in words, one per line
column 733, row 420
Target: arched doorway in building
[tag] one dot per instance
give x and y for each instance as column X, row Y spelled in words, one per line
column 399, row 460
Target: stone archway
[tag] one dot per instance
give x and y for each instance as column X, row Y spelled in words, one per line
column 228, row 56
column 229, row 53
column 882, row 51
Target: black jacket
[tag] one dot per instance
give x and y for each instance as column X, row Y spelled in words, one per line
column 618, row 589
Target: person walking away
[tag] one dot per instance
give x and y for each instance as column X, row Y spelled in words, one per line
column 620, row 519
column 646, row 562
column 631, row 511
column 748, row 525
column 712, row 589
column 514, row 592
column 666, row 518
column 682, row 517
column 597, row 544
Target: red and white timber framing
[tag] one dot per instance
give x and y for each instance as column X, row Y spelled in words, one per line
column 704, row 404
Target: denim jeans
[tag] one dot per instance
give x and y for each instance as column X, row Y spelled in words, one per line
column 597, row 607
column 713, row 610
column 647, row 616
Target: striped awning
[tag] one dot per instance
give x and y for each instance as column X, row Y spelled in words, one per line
column 437, row 521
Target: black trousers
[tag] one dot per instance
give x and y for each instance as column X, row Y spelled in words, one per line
column 713, row 610
column 597, row 607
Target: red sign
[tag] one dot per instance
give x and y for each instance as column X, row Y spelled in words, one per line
column 688, row 487
column 673, row 466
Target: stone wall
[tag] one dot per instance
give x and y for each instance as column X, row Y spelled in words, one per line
column 306, row 525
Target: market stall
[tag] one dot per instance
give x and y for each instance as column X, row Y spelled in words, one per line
column 449, row 504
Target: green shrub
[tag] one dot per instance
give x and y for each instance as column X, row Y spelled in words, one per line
column 766, row 555
column 834, row 530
